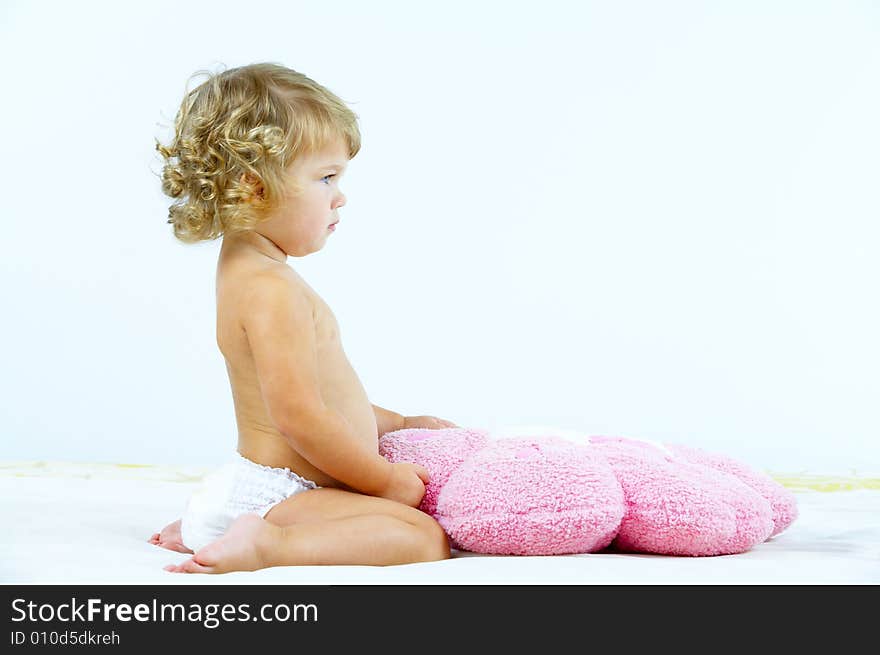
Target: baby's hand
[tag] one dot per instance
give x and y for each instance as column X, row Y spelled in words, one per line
column 429, row 422
column 406, row 484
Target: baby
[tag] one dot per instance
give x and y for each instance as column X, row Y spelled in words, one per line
column 256, row 158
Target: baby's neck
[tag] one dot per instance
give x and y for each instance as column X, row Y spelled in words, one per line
column 255, row 242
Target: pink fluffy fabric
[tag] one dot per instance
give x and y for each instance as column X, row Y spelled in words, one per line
column 782, row 502
column 532, row 496
column 441, row 452
column 543, row 495
column 674, row 507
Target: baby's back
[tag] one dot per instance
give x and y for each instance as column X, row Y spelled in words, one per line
column 259, row 440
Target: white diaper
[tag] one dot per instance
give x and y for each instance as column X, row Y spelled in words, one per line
column 239, row 487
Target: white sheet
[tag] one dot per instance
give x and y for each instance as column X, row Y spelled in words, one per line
column 73, row 523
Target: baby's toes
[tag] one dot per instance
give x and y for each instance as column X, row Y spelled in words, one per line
column 191, row 566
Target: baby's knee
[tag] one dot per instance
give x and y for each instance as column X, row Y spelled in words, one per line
column 435, row 544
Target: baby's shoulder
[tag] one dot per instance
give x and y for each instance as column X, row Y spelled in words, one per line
column 272, row 283
column 243, row 276
column 244, row 289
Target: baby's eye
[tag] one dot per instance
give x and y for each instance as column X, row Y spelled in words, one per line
column 328, row 176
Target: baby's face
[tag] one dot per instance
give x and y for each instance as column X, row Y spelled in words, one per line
column 302, row 224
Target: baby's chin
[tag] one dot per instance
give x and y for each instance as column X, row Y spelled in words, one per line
column 305, row 252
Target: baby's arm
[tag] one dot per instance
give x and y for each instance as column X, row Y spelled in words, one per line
column 281, row 333
column 386, row 420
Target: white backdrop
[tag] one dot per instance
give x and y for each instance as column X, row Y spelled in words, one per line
column 639, row 218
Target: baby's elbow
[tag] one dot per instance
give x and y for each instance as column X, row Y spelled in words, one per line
column 302, row 426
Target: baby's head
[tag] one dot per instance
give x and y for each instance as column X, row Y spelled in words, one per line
column 258, row 148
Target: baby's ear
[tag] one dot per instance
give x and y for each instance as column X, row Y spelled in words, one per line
column 253, row 180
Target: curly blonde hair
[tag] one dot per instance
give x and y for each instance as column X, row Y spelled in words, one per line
column 239, row 130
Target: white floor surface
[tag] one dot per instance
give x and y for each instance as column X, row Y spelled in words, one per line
column 70, row 523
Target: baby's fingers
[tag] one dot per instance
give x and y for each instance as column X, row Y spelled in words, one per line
column 423, row 474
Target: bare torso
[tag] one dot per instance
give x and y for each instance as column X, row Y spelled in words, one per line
column 258, row 439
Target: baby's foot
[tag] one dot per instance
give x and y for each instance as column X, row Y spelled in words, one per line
column 170, row 538
column 242, row 548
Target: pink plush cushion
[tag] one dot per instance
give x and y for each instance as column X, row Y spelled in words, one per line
column 543, row 495
column 678, row 508
column 531, row 496
column 782, row 502
column 439, row 451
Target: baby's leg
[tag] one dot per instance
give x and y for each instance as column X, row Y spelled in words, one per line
column 324, row 526
column 333, row 503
